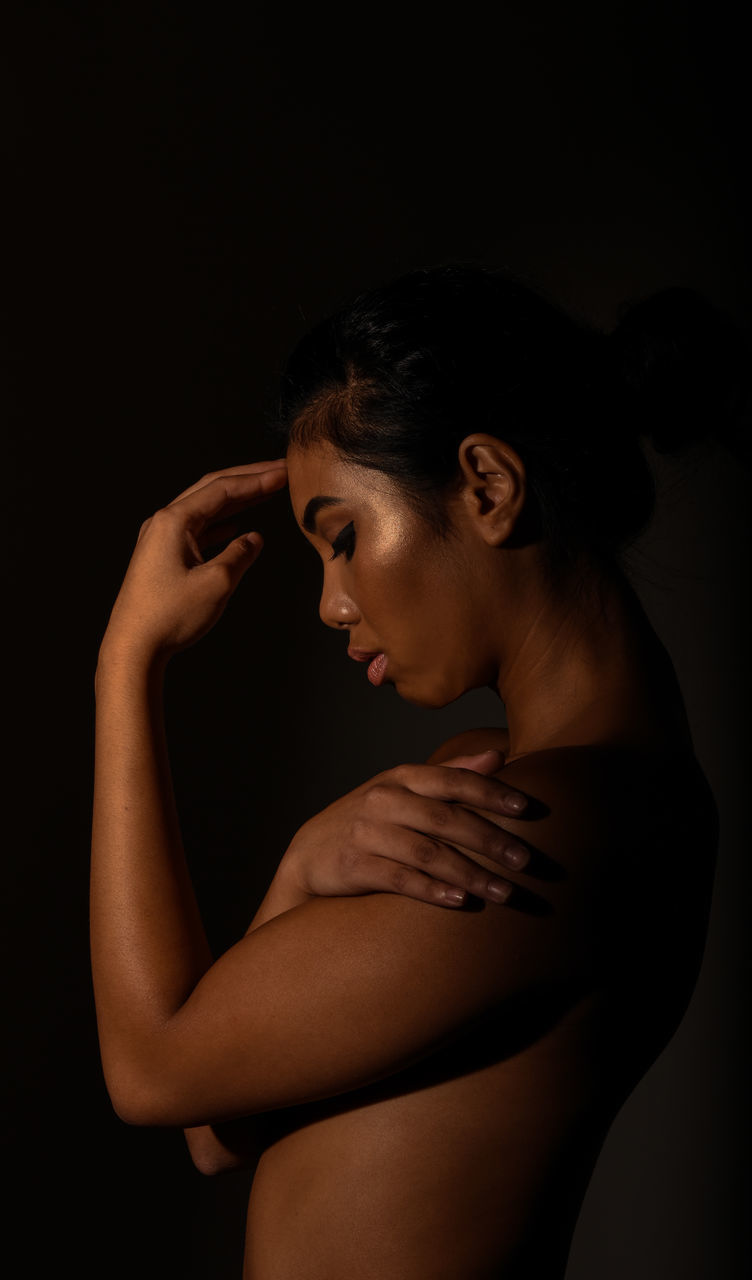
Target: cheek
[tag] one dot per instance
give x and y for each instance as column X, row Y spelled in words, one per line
column 405, row 579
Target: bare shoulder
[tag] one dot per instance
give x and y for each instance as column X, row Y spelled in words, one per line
column 574, row 793
column 616, row 833
column 601, row 796
column 628, row 838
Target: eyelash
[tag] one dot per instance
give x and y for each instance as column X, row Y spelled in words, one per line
column 344, row 541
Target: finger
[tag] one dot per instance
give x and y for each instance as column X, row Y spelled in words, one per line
column 225, row 496
column 452, row 824
column 251, row 468
column 237, row 557
column 460, row 784
column 441, row 862
column 388, row 875
column 221, row 530
column 486, row 762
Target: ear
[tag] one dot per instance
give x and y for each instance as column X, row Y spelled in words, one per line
column 494, row 485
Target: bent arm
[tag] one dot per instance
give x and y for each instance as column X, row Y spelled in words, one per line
column 324, row 998
column 149, row 948
column 219, row 1148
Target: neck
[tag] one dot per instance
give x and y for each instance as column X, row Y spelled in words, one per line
column 584, row 666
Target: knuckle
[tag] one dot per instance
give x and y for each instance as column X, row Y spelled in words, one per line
column 357, row 832
column 351, row 858
column 164, row 516
column 456, row 784
column 425, row 852
column 400, row 774
column 440, row 815
column 222, row 573
column 376, row 795
column 399, row 877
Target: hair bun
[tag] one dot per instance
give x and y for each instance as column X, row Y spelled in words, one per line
column 686, row 368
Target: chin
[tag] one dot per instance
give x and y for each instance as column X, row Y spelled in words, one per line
column 426, row 697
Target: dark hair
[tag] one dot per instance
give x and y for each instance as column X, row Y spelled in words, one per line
column 398, row 378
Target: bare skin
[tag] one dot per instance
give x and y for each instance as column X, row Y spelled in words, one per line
column 438, row 1081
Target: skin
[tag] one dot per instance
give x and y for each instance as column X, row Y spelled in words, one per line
column 485, row 618
column 433, row 1085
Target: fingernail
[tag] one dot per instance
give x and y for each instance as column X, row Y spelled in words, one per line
column 455, row 896
column 516, row 856
column 498, row 890
column 516, row 803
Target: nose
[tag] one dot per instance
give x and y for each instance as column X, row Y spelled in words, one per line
column 336, row 608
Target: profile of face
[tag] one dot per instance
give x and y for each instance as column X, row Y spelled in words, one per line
column 391, row 584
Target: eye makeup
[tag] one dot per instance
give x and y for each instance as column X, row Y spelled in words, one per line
column 344, row 541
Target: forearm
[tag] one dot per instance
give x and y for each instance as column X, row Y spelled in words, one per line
column 148, row 944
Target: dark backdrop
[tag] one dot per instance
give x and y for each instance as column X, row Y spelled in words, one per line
column 188, row 191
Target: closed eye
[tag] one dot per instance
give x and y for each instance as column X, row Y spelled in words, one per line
column 344, row 541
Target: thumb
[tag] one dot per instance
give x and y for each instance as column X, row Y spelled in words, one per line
column 481, row 762
column 239, row 555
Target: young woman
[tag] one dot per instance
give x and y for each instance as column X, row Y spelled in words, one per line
column 444, row 998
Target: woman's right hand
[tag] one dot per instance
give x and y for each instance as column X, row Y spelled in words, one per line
column 394, row 834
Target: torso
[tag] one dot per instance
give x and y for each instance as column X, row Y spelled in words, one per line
column 472, row 1164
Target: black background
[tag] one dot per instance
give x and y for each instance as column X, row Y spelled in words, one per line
column 188, row 191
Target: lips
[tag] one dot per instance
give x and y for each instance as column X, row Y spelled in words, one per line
column 376, row 660
column 377, row 669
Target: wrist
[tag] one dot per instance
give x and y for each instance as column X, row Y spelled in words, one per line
column 290, row 879
column 122, row 658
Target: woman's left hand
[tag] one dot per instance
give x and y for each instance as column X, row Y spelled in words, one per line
column 171, row 595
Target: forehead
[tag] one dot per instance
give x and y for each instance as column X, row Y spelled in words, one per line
column 321, row 472
column 309, row 469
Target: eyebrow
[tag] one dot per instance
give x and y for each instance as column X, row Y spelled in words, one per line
column 313, row 508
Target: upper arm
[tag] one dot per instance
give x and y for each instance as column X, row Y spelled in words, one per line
column 326, row 998
column 339, row 992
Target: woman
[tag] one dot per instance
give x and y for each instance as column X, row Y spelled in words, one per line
column 434, row 1084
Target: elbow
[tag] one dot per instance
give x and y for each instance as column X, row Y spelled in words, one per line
column 135, row 1101
column 205, row 1165
column 210, row 1151
column 134, row 1109
column 210, row 1160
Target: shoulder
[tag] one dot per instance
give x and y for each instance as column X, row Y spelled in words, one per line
column 571, row 790
column 611, row 828
column 600, row 794
column 628, row 838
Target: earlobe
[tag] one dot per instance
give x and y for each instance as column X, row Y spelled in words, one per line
column 494, row 485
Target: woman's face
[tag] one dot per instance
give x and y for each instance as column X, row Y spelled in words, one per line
column 402, row 595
